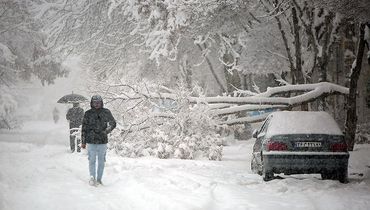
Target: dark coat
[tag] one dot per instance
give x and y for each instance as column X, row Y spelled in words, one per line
column 97, row 123
column 75, row 116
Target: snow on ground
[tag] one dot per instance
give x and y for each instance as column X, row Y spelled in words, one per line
column 38, row 172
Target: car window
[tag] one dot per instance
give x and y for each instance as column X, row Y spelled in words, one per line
column 258, row 143
column 265, row 125
column 262, row 127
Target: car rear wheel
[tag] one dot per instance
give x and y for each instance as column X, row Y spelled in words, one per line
column 341, row 175
column 327, row 175
column 267, row 176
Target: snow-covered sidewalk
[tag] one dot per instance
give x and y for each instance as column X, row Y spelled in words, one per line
column 38, row 172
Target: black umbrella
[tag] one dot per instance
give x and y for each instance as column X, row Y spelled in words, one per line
column 72, row 98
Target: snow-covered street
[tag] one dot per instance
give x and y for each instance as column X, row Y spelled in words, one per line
column 171, row 94
column 38, row 172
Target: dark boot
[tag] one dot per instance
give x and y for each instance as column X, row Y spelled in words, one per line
column 78, row 145
column 72, row 142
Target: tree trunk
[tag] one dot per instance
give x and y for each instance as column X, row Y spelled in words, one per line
column 223, row 88
column 243, row 81
column 298, row 74
column 231, row 75
column 322, row 64
column 323, row 59
column 286, row 45
column 214, row 74
column 351, row 120
column 298, row 53
column 186, row 72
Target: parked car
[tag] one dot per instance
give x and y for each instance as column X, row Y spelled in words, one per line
column 297, row 142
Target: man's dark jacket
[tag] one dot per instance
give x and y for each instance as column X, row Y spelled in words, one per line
column 75, row 116
column 96, row 124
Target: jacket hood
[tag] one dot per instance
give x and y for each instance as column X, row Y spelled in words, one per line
column 96, row 98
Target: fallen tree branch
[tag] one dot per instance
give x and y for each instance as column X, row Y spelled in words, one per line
column 248, row 107
column 242, row 120
column 227, row 105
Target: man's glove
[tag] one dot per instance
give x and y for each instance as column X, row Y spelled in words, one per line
column 108, row 130
column 83, row 146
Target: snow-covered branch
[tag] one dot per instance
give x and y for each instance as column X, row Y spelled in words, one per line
column 270, row 99
column 247, row 107
column 312, row 92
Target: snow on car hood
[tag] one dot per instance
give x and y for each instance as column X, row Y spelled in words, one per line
column 301, row 122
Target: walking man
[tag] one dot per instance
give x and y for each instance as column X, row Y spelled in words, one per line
column 74, row 116
column 97, row 123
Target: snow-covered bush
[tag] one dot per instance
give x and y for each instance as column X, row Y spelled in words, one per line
column 179, row 130
column 8, row 106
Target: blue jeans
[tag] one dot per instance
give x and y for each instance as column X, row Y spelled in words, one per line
column 96, row 150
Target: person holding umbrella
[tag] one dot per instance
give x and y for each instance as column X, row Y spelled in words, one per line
column 97, row 123
column 74, row 116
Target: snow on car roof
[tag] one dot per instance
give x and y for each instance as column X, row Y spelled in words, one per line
column 301, row 122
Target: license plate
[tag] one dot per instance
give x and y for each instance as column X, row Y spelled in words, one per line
column 308, row 144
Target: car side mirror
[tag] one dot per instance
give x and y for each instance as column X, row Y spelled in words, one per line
column 255, row 133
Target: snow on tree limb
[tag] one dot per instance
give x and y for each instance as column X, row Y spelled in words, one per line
column 249, row 119
column 313, row 91
column 248, row 107
column 324, row 87
column 227, row 105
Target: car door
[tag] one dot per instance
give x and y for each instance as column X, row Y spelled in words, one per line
column 257, row 147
